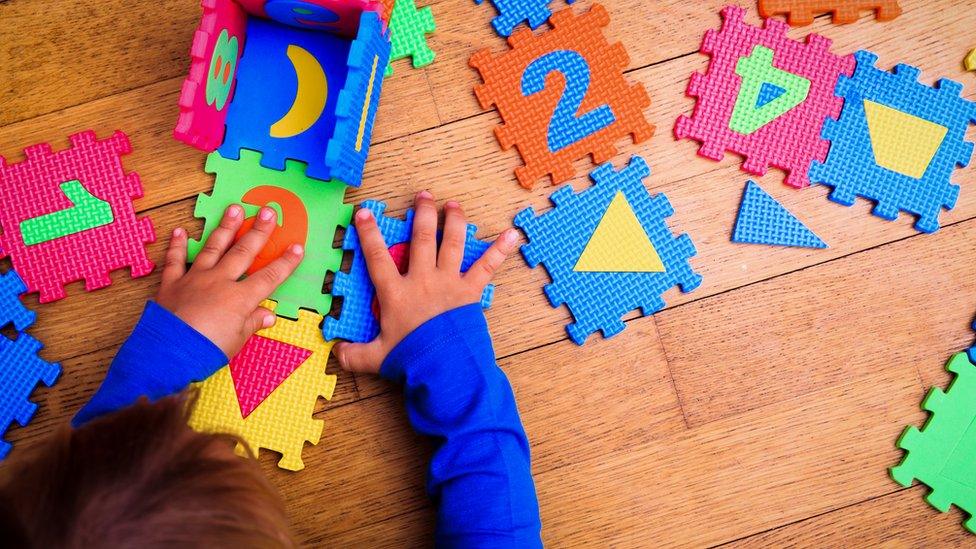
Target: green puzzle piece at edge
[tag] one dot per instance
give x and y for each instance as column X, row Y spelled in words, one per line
column 408, row 34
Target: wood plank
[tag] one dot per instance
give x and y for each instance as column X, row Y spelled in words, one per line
column 824, row 325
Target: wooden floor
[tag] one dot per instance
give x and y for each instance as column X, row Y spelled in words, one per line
column 762, row 409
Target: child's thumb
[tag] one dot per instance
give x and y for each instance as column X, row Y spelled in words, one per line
column 360, row 357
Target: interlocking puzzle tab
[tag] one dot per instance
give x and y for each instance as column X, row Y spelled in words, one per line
column 512, row 13
column 409, row 28
column 562, row 95
column 68, row 215
column 764, row 96
column 970, row 61
column 341, row 17
column 802, row 12
column 943, row 454
column 763, row 220
column 357, row 318
column 309, row 211
column 269, row 391
column 897, row 142
column 12, row 309
column 608, row 250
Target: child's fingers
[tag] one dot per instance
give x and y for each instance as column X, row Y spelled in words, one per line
column 221, row 238
column 481, row 272
column 423, row 242
column 360, row 357
column 241, row 255
column 174, row 266
column 452, row 243
column 259, row 319
column 382, row 270
column 263, row 283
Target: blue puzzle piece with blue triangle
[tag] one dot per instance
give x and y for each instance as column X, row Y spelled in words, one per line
column 356, row 321
column 763, row 220
column 512, row 13
column 558, row 238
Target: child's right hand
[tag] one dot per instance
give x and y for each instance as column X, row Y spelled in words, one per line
column 432, row 285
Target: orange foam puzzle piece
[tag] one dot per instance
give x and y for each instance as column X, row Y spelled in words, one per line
column 562, row 95
column 802, row 12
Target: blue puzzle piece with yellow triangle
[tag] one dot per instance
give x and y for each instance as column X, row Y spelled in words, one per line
column 608, row 250
column 763, row 220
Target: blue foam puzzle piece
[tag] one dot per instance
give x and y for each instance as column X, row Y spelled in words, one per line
column 763, row 220
column 356, row 321
column 972, row 350
column 268, row 85
column 12, row 310
column 512, row 13
column 850, row 167
column 768, row 93
column 20, row 372
column 558, row 237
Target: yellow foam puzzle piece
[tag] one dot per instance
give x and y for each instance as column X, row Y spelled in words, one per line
column 970, row 60
column 283, row 422
column 902, row 142
column 619, row 244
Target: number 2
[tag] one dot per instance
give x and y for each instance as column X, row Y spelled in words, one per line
column 565, row 127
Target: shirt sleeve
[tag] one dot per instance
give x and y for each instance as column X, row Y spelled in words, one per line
column 161, row 357
column 480, row 477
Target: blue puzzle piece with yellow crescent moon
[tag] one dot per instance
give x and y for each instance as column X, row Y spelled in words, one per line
column 897, row 142
column 308, row 96
column 608, row 250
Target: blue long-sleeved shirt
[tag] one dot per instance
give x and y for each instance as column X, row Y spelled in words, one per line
column 479, row 478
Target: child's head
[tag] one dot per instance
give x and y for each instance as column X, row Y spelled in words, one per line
column 139, row 477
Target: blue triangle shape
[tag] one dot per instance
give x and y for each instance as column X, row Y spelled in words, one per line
column 768, row 93
column 762, row 220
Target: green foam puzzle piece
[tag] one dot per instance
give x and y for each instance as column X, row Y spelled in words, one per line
column 313, row 202
column 87, row 211
column 408, row 34
column 752, row 110
column 942, row 454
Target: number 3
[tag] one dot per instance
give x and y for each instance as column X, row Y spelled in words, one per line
column 565, row 128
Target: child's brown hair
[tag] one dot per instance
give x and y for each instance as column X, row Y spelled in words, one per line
column 139, row 477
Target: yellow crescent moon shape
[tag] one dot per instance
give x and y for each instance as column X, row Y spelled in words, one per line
column 310, row 95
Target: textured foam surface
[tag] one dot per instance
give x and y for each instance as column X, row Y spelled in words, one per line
column 21, row 370
column 356, row 320
column 283, row 421
column 943, row 454
column 588, row 106
column 763, row 220
column 12, row 309
column 409, row 28
column 792, row 140
column 33, row 188
column 558, row 237
column 512, row 13
column 309, row 211
column 802, row 12
column 857, row 151
column 340, row 17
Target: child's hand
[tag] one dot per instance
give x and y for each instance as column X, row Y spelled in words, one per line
column 432, row 285
column 210, row 297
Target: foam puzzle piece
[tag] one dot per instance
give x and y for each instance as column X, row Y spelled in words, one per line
column 260, row 367
column 802, row 12
column 512, row 13
column 309, row 211
column 792, row 140
column 33, row 188
column 409, row 28
column 598, row 300
column 970, row 61
column 562, row 95
column 209, row 87
column 897, row 142
column 21, row 370
column 12, row 309
column 357, row 321
column 298, row 89
column 763, row 220
column 340, row 17
column 941, row 454
column 283, row 421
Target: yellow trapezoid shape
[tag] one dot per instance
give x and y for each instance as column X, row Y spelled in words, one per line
column 311, row 94
column 619, row 244
column 902, row 142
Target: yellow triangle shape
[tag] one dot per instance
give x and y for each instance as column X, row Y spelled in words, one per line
column 619, row 244
column 902, row 142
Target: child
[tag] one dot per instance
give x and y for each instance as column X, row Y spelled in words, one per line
column 132, row 473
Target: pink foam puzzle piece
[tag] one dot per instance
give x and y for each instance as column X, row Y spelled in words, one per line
column 260, row 367
column 32, row 188
column 201, row 121
column 790, row 142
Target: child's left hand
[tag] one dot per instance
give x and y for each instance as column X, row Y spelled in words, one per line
column 210, row 297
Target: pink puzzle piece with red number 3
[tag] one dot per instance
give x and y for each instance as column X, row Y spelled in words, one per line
column 68, row 215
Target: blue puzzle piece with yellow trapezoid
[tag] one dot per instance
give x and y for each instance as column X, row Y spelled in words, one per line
column 763, row 220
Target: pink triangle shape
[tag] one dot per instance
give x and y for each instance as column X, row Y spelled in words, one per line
column 260, row 368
